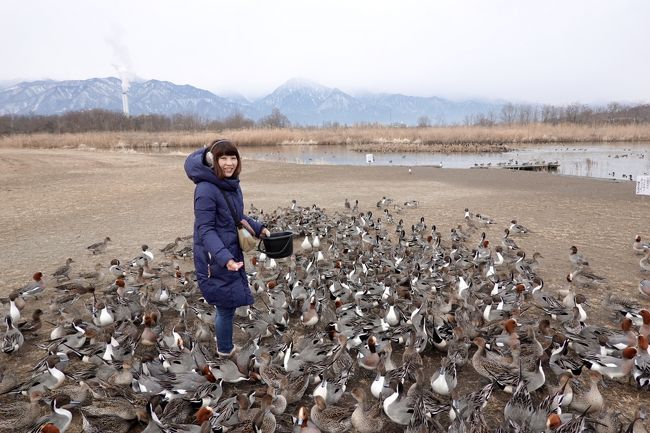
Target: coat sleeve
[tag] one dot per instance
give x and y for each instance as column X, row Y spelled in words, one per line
column 205, row 209
column 255, row 225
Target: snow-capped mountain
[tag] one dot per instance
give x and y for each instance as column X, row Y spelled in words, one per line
column 302, row 101
column 148, row 97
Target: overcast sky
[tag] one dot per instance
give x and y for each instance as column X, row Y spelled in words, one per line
column 549, row 51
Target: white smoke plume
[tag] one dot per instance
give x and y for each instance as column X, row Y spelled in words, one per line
column 121, row 59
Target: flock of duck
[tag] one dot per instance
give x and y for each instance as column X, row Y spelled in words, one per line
column 371, row 325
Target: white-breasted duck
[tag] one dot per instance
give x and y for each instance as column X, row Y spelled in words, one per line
column 640, row 247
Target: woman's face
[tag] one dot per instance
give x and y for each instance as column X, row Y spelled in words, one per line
column 228, row 164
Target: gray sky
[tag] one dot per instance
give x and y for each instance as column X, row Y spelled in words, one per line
column 549, row 51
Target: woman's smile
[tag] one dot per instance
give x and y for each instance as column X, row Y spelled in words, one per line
column 228, row 164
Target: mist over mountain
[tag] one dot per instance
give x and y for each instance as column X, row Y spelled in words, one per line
column 303, row 102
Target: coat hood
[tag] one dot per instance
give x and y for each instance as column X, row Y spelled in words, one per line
column 198, row 171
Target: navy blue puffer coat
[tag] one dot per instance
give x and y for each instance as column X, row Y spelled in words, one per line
column 215, row 235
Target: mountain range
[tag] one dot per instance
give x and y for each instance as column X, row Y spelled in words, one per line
column 303, row 102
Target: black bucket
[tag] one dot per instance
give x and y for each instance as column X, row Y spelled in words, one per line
column 278, row 245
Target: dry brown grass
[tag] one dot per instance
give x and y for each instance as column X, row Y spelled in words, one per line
column 108, row 140
column 447, row 139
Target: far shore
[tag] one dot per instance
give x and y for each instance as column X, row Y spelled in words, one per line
column 447, row 139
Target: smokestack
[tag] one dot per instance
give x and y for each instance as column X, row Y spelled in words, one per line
column 124, row 74
column 125, row 103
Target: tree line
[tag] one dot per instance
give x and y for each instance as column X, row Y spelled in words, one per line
column 522, row 114
column 105, row 120
column 509, row 114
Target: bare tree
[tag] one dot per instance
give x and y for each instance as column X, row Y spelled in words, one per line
column 508, row 113
column 424, row 122
column 275, row 120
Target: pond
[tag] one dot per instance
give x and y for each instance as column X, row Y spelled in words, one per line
column 611, row 160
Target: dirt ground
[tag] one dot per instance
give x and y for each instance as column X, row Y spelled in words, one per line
column 57, row 202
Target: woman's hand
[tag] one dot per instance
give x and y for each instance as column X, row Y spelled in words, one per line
column 233, row 265
column 265, row 232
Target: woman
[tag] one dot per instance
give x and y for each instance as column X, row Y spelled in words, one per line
column 218, row 259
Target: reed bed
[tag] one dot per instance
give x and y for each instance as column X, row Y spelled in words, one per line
column 386, row 139
column 108, row 140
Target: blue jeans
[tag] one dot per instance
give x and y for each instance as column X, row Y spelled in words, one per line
column 223, row 323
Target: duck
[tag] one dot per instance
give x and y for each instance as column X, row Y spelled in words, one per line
column 16, row 416
column 636, row 426
column 611, row 366
column 34, row 288
column 14, row 310
column 306, row 245
column 623, row 339
column 271, row 374
column 640, row 247
column 62, row 272
column 116, row 269
column 60, row 417
column 398, row 407
column 584, row 278
column 366, row 417
column 144, row 256
column 302, row 423
column 378, row 387
column 644, row 287
column 508, row 379
column 113, row 414
column 154, row 425
column 486, row 366
column 575, row 424
column 333, row 419
column 33, row 325
column 278, row 400
column 587, row 397
column 310, row 317
column 227, row 370
column 485, row 219
column 519, row 409
column 644, row 263
column 576, row 258
column 507, row 242
column 561, row 362
column 102, row 315
column 641, row 371
column 444, row 380
column 369, row 359
column 516, row 228
column 563, row 392
column 644, row 328
column 425, row 405
column 170, row 247
column 257, row 419
column 99, row 247
column 472, row 403
column 13, row 339
column 294, row 385
column 44, row 381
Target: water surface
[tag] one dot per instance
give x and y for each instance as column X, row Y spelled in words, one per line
column 613, row 161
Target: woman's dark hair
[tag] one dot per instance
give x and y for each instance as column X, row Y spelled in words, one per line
column 220, row 148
